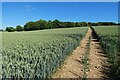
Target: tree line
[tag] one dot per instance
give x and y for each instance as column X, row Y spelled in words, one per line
column 43, row 24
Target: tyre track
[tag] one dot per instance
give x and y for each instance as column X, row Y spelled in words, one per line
column 99, row 66
column 73, row 68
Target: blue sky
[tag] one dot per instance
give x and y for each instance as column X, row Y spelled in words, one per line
column 18, row 13
column 60, row 0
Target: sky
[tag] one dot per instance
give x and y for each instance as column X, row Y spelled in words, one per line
column 59, row 0
column 18, row 13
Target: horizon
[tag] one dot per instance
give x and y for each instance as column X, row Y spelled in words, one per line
column 52, row 20
column 18, row 13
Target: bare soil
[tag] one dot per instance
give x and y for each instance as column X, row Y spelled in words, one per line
column 98, row 65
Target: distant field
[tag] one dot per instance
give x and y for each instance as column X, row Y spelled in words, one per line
column 106, row 30
column 37, row 53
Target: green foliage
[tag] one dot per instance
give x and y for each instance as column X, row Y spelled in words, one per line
column 30, row 26
column 85, row 60
column 19, row 28
column 84, row 24
column 1, row 30
column 89, row 24
column 10, row 29
column 105, row 23
column 57, row 24
column 37, row 54
column 112, row 48
column 78, row 24
column 110, row 42
column 43, row 24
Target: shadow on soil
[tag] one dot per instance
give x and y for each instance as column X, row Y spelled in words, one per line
column 109, row 70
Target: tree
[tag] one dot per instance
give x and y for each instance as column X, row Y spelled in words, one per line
column 63, row 25
column 70, row 24
column 89, row 24
column 94, row 24
column 30, row 26
column 19, row 28
column 83, row 24
column 50, row 24
column 78, row 24
column 42, row 24
column 56, row 24
column 10, row 29
column 1, row 30
column 100, row 23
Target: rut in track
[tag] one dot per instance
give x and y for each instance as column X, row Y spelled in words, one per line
column 72, row 67
column 98, row 65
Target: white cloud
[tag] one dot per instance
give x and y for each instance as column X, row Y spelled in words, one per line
column 28, row 8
